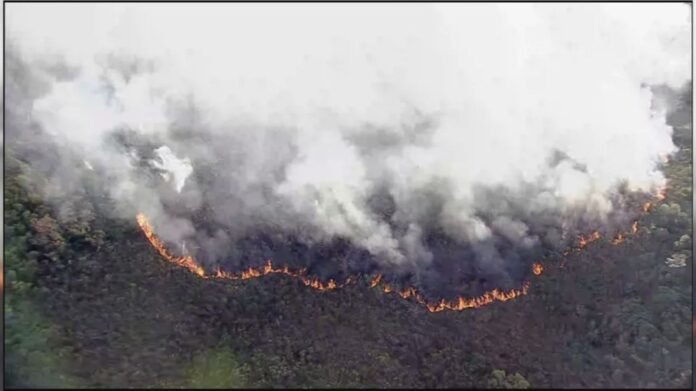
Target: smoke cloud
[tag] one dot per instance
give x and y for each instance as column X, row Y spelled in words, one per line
column 437, row 142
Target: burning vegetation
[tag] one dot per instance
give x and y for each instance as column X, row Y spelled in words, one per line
column 408, row 293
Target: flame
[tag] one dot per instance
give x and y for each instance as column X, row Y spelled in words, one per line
column 375, row 281
column 664, row 158
column 408, row 292
column 185, row 261
column 268, row 268
column 537, row 269
column 462, row 303
column 659, row 196
column 458, row 304
column 662, row 193
column 584, row 241
column 189, row 263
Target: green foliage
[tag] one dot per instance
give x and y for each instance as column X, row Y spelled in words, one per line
column 33, row 358
column 216, row 368
column 684, row 242
column 20, row 270
column 500, row 380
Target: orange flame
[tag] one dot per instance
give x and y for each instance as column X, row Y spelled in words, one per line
column 537, row 269
column 662, row 193
column 458, row 304
column 375, row 281
column 584, row 241
column 185, row 261
column 268, row 268
column 462, row 303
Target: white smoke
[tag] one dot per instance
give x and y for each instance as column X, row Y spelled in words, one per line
column 419, row 100
column 175, row 170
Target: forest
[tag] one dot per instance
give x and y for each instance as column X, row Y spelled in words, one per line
column 89, row 303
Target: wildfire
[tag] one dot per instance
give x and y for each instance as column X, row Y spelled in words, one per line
column 584, row 241
column 375, row 280
column 185, row 261
column 537, row 269
column 462, row 303
column 268, row 268
column 458, row 304
column 409, row 293
column 662, row 193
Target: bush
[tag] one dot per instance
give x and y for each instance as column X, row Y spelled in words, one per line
column 684, row 243
column 500, row 380
column 216, row 368
column 33, row 359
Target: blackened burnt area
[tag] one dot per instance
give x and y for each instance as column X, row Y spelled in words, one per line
column 456, row 269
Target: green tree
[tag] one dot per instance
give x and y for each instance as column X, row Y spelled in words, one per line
column 499, row 379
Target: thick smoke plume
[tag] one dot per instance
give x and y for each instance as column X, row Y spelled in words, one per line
column 439, row 143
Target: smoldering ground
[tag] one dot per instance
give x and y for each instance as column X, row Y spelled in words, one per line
column 446, row 145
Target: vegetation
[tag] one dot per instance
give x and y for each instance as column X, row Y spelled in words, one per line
column 89, row 303
column 500, row 380
column 218, row 368
column 35, row 352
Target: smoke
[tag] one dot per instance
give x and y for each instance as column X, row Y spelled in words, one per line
column 174, row 170
column 438, row 140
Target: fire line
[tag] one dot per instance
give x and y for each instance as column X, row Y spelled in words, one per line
column 458, row 304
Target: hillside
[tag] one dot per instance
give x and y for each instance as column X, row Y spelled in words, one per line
column 90, row 303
